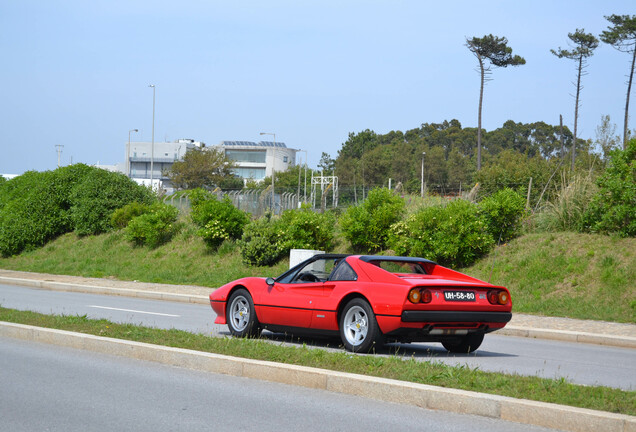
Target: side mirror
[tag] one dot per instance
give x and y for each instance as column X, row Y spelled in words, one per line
column 269, row 281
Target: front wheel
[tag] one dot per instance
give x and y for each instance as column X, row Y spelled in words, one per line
column 359, row 330
column 466, row 344
column 241, row 315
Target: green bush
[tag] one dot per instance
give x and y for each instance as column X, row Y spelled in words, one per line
column 503, row 214
column 613, row 208
column 34, row 207
column 566, row 211
column 122, row 216
column 267, row 240
column 153, row 228
column 453, row 235
column 262, row 242
column 218, row 220
column 306, row 229
column 99, row 195
column 366, row 226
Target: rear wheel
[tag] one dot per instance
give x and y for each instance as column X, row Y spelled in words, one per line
column 466, row 344
column 241, row 315
column 359, row 330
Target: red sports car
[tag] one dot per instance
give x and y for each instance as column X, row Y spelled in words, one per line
column 367, row 300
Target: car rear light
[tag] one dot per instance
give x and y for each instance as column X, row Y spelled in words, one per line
column 418, row 295
column 493, row 297
column 415, row 296
column 427, row 296
column 498, row 297
column 503, row 297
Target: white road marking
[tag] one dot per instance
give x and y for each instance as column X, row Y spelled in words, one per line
column 134, row 311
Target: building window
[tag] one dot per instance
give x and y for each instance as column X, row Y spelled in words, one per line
column 257, row 156
column 253, row 173
column 285, row 159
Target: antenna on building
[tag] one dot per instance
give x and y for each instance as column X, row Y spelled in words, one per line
column 59, row 153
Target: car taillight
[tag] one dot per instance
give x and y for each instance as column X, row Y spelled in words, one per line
column 503, row 297
column 415, row 296
column 498, row 297
column 427, row 296
column 418, row 295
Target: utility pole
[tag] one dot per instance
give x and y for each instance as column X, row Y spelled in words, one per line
column 59, row 153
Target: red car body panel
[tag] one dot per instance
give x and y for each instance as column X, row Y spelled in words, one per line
column 316, row 305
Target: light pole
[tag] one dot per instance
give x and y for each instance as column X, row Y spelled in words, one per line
column 305, row 189
column 128, row 152
column 422, row 185
column 152, row 148
column 273, row 165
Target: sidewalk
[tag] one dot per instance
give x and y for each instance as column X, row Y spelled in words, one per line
column 522, row 325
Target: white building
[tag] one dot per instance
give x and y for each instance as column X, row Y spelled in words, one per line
column 258, row 160
column 254, row 160
column 141, row 155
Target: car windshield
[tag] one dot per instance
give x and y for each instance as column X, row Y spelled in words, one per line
column 400, row 267
column 318, row 270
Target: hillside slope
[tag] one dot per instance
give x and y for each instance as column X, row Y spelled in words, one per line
column 555, row 274
column 566, row 274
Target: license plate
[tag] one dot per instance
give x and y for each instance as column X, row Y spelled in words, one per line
column 461, row 296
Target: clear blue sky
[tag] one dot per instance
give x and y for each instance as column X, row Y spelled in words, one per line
column 76, row 73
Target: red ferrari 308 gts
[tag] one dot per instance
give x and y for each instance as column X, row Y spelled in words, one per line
column 367, row 300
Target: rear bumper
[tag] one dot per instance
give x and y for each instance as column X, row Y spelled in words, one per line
column 455, row 317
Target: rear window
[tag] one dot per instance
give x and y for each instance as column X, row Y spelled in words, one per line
column 403, row 267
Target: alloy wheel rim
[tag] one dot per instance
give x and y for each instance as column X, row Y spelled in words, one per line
column 356, row 325
column 240, row 313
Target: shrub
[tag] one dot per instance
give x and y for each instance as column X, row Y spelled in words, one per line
column 453, row 235
column 99, row 195
column 122, row 216
column 613, row 208
column 34, row 207
column 366, row 226
column 153, row 228
column 262, row 242
column 267, row 240
column 566, row 211
column 306, row 229
column 219, row 220
column 503, row 213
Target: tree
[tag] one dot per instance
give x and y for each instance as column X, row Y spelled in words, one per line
column 490, row 51
column 200, row 169
column 605, row 136
column 622, row 36
column 584, row 46
column 327, row 164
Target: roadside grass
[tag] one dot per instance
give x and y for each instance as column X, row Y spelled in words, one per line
column 183, row 261
column 558, row 391
column 583, row 276
column 554, row 274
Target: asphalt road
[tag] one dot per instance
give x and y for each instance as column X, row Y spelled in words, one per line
column 46, row 387
column 578, row 363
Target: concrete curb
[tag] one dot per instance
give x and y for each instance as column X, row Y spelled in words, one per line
column 421, row 395
column 569, row 336
column 509, row 330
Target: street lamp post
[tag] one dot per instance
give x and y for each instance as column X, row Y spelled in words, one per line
column 273, row 166
column 128, row 152
column 422, row 185
column 152, row 148
column 305, row 188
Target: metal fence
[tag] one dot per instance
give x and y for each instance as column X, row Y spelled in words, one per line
column 255, row 202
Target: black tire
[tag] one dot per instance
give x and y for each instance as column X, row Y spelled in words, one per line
column 464, row 345
column 241, row 315
column 359, row 329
